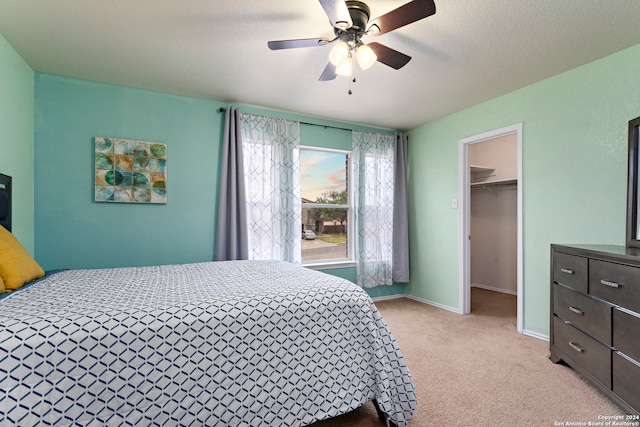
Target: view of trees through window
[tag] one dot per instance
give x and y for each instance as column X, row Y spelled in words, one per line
column 326, row 212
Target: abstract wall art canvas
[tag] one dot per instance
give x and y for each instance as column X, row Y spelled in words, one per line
column 128, row 171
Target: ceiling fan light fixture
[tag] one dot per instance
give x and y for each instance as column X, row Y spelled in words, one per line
column 350, row 22
column 365, row 56
column 346, row 68
column 373, row 30
column 339, row 53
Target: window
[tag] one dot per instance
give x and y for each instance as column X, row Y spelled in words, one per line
column 326, row 206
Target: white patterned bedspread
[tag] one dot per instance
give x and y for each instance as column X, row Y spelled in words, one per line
column 236, row 343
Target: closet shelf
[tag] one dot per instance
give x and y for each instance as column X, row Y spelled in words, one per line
column 475, row 169
column 481, row 174
column 494, row 182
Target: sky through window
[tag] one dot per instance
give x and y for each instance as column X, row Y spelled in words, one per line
column 322, row 173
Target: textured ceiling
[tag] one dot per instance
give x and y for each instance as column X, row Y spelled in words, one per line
column 468, row 52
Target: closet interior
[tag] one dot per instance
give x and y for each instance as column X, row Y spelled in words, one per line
column 494, row 213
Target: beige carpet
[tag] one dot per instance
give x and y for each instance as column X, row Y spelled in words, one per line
column 476, row 370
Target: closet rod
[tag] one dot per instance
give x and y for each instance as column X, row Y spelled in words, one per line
column 222, row 110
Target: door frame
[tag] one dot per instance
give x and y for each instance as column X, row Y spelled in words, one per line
column 464, row 192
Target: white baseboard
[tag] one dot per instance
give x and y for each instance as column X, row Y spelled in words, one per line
column 389, row 297
column 491, row 288
column 536, row 335
column 435, row 304
column 422, row 300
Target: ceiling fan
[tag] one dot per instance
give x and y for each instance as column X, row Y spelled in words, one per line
column 350, row 21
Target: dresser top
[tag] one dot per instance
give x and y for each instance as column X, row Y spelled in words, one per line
column 606, row 252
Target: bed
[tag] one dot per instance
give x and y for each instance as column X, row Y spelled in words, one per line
column 233, row 343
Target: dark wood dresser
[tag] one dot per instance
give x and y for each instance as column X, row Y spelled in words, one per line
column 595, row 317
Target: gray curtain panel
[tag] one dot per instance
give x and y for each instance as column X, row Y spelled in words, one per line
column 231, row 232
column 400, row 261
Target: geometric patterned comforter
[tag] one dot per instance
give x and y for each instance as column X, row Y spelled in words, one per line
column 234, row 343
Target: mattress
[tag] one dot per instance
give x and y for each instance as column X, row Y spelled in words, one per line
column 235, row 343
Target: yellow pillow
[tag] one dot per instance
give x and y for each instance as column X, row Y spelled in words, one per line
column 1, row 284
column 17, row 268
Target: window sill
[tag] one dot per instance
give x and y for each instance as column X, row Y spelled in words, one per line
column 329, row 265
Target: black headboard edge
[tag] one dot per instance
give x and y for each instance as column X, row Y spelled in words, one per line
column 5, row 201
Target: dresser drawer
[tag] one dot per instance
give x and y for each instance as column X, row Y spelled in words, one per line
column 594, row 357
column 570, row 270
column 626, row 333
column 616, row 283
column 585, row 313
column 625, row 380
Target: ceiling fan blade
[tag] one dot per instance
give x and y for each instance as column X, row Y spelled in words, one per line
column 291, row 44
column 329, row 73
column 388, row 56
column 404, row 15
column 338, row 13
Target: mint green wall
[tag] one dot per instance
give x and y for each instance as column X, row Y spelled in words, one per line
column 574, row 175
column 74, row 232
column 16, row 139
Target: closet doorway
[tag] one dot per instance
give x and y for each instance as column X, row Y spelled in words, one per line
column 490, row 177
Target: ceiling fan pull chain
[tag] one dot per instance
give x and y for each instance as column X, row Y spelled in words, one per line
column 354, row 80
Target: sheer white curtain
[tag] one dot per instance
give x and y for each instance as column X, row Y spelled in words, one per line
column 373, row 159
column 271, row 153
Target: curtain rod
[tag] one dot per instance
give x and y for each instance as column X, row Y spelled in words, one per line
column 222, row 110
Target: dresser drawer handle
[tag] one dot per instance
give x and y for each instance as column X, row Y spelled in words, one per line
column 567, row 270
column 610, row 284
column 576, row 310
column 576, row 347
